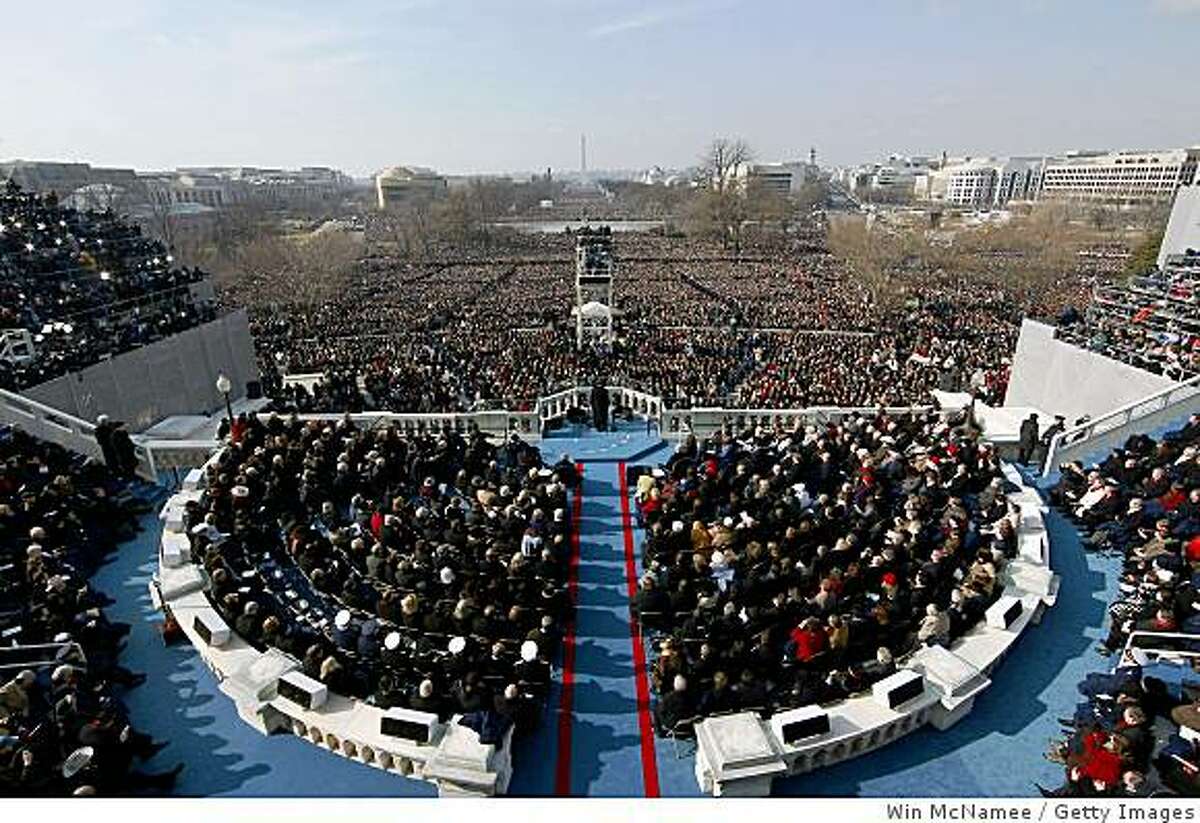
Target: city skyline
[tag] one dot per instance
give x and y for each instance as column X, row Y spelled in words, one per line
column 467, row 87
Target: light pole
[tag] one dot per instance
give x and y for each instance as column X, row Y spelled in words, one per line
column 224, row 387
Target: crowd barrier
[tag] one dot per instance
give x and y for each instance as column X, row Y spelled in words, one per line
column 272, row 695
column 741, row 754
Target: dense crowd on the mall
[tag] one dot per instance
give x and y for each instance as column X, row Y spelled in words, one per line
column 779, row 325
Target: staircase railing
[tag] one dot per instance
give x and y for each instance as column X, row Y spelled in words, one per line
column 1164, row 400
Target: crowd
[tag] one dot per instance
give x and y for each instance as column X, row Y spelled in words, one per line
column 776, row 327
column 1151, row 321
column 85, row 286
column 788, row 568
column 63, row 727
column 1132, row 736
column 418, row 571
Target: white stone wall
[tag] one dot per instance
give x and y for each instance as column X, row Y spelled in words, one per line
column 1060, row 378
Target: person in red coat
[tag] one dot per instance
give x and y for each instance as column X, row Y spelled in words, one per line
column 1098, row 763
column 808, row 639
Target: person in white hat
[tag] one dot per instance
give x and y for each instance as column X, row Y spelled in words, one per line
column 427, row 700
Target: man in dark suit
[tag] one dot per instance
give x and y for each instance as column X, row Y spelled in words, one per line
column 1028, row 440
column 677, row 704
column 599, row 400
column 104, row 437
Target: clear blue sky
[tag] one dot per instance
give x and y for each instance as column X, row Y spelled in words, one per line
column 499, row 85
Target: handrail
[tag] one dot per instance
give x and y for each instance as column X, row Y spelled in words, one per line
column 806, row 410
column 1158, row 649
column 702, row 420
column 558, row 404
column 67, row 430
column 1125, row 414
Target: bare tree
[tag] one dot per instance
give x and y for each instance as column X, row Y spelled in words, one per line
column 721, row 162
column 720, row 207
column 273, row 270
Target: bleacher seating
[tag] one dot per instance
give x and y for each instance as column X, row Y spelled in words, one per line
column 1151, row 321
column 63, row 727
column 84, row 286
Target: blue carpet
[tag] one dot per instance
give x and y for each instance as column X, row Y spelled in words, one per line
column 996, row 751
column 180, row 703
column 630, row 441
column 605, row 750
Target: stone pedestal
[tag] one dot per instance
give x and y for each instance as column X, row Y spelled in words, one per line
column 176, row 549
column 176, row 583
column 193, row 480
column 463, row 766
column 736, row 756
column 956, row 680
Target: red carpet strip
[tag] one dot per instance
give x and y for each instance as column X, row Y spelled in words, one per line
column 562, row 775
column 646, row 727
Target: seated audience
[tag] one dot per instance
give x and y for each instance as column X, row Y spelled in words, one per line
column 63, row 728
column 815, row 558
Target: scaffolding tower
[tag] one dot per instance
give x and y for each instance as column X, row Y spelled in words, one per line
column 594, row 270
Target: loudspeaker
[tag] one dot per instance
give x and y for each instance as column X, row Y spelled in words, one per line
column 801, row 724
column 253, row 390
column 1004, row 612
column 898, row 689
column 212, row 629
column 302, row 690
column 408, row 724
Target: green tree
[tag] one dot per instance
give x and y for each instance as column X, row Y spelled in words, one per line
column 1145, row 256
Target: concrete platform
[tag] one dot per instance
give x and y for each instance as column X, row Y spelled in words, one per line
column 199, row 426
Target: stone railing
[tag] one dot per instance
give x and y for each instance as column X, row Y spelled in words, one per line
column 499, row 423
column 448, row 755
column 703, row 422
column 556, row 406
column 670, row 421
column 740, row 754
column 48, row 423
